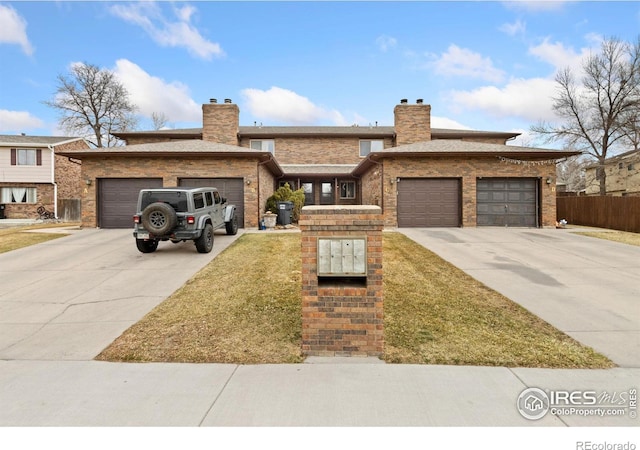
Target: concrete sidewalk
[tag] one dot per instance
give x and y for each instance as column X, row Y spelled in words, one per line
column 67, row 299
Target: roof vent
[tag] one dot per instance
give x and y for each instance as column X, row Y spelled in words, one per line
column 227, row 100
column 403, row 101
column 419, row 101
column 213, row 100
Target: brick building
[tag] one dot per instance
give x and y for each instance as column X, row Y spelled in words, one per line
column 34, row 174
column 622, row 175
column 418, row 175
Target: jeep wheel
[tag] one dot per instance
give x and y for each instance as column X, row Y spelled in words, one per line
column 148, row 246
column 159, row 218
column 204, row 243
column 232, row 226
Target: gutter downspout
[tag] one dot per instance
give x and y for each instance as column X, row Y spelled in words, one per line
column 53, row 181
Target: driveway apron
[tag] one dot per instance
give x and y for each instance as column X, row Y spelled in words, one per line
column 588, row 288
column 69, row 298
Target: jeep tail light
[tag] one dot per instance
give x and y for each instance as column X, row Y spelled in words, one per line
column 191, row 220
column 136, row 219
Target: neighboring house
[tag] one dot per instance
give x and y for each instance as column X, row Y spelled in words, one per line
column 622, row 175
column 419, row 176
column 33, row 174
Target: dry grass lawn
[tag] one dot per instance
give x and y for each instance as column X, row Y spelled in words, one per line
column 14, row 238
column 245, row 308
column 617, row 236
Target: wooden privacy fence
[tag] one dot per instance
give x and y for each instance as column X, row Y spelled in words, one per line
column 616, row 213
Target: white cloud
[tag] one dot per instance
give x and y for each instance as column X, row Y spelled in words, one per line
column 152, row 94
column 13, row 29
column 285, row 106
column 167, row 32
column 535, row 5
column 513, row 29
column 464, row 62
column 558, row 55
column 18, row 121
column 386, row 43
column 447, row 124
column 529, row 99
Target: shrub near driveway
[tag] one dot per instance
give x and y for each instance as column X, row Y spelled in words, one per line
column 245, row 308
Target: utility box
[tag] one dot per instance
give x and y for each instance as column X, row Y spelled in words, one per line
column 342, row 301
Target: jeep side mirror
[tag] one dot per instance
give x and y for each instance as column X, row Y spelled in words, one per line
column 224, row 200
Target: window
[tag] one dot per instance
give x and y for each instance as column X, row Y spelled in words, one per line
column 26, row 157
column 198, row 200
column 209, row 197
column 18, row 195
column 630, row 167
column 367, row 147
column 267, row 145
column 620, row 165
column 326, row 193
column 348, row 189
column 216, row 196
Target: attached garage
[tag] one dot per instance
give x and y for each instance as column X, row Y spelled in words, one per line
column 230, row 188
column 429, row 202
column 118, row 198
column 509, row 202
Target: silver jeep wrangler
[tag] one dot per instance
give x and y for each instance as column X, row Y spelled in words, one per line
column 181, row 214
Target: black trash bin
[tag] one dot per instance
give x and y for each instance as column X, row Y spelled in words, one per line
column 2, row 211
column 284, row 212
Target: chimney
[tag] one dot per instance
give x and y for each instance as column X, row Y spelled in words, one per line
column 412, row 122
column 220, row 122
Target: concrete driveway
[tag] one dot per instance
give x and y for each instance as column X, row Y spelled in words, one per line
column 69, row 298
column 586, row 287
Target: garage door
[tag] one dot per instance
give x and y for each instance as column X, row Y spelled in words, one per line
column 230, row 188
column 428, row 202
column 118, row 198
column 507, row 202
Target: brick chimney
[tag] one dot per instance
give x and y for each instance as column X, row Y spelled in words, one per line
column 412, row 122
column 220, row 122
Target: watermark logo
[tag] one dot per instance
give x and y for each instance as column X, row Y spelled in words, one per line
column 535, row 403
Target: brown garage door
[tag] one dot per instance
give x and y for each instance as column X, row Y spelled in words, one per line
column 118, row 198
column 428, row 202
column 509, row 202
column 230, row 188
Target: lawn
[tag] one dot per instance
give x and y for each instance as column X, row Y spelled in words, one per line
column 612, row 235
column 14, row 238
column 245, row 308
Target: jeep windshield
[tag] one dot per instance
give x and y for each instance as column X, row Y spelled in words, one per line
column 177, row 199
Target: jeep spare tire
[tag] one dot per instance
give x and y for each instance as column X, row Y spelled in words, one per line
column 159, row 218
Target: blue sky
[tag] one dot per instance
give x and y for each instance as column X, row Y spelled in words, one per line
column 481, row 65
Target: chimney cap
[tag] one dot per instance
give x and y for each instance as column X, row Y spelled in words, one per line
column 403, row 101
column 213, row 100
column 419, row 101
column 227, row 100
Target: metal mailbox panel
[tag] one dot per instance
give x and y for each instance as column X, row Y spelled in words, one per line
column 342, row 256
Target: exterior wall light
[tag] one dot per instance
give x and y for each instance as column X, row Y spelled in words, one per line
column 88, row 181
column 549, row 180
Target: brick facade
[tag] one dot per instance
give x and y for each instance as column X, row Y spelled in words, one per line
column 257, row 180
column 341, row 318
column 468, row 170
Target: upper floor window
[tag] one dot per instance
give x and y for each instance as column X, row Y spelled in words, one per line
column 26, row 157
column 367, row 147
column 265, row 145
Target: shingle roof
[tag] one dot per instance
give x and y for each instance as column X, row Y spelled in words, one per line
column 268, row 131
column 318, row 169
column 187, row 146
column 42, row 141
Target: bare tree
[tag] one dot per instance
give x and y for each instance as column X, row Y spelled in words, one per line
column 571, row 173
column 159, row 119
column 601, row 111
column 93, row 104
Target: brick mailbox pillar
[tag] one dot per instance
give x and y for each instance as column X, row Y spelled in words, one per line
column 342, row 306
